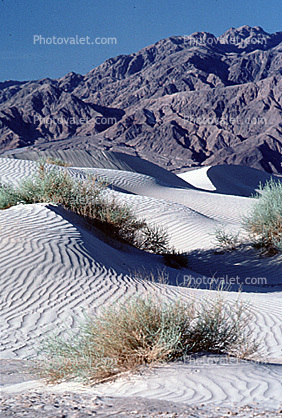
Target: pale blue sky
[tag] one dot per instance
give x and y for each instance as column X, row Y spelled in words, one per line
column 134, row 24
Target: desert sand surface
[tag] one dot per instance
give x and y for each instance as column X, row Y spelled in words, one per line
column 54, row 268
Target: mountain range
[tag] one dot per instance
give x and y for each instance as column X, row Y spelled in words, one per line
column 183, row 102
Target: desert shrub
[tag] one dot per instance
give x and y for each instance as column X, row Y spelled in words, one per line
column 145, row 331
column 175, row 259
column 226, row 241
column 85, row 198
column 52, row 186
column 8, row 196
column 117, row 220
column 155, row 239
column 55, row 161
column 264, row 222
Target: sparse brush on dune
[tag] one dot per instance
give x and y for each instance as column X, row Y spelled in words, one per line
column 146, row 331
column 264, row 223
column 176, row 259
column 9, row 196
column 227, row 241
column 51, row 186
column 55, row 161
column 85, row 197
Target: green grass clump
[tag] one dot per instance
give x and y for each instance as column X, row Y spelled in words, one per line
column 264, row 223
column 145, row 331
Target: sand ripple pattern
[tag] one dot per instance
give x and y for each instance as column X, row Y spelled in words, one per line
column 49, row 275
column 53, row 270
column 198, row 383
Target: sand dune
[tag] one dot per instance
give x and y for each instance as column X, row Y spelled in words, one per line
column 100, row 159
column 227, row 179
column 53, row 269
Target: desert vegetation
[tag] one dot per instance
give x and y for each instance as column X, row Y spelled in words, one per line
column 146, row 331
column 227, row 241
column 86, row 198
column 264, row 222
column 55, row 161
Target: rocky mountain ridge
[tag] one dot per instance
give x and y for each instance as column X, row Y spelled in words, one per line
column 185, row 101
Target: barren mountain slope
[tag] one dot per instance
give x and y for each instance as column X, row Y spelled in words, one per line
column 184, row 101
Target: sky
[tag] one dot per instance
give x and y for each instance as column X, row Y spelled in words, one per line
column 44, row 38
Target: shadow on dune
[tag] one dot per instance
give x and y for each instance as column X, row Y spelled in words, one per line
column 227, row 179
column 114, row 255
column 243, row 267
column 106, row 160
column 237, row 180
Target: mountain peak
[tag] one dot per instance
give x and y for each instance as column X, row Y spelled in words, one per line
column 246, row 30
column 246, row 37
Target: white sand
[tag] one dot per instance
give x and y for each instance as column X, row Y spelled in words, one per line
column 53, row 270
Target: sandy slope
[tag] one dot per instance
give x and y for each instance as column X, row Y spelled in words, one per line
column 53, row 270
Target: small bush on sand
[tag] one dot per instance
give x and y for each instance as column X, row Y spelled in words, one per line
column 55, row 161
column 264, row 223
column 226, row 241
column 52, row 186
column 175, row 259
column 8, row 196
column 85, row 198
column 155, row 239
column 145, row 331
